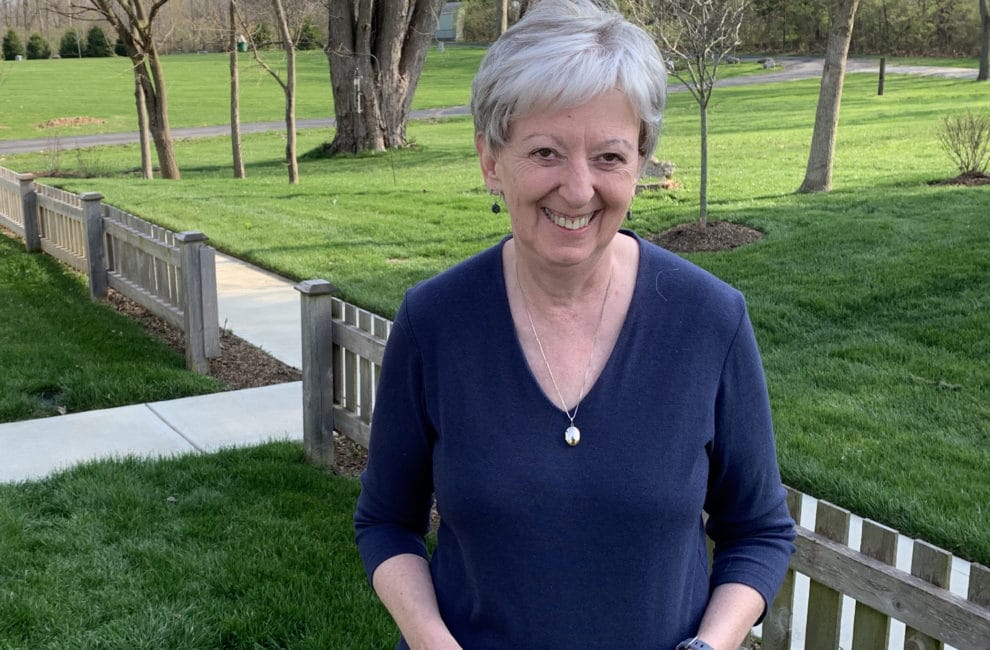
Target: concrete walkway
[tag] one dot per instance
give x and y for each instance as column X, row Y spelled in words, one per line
column 259, row 307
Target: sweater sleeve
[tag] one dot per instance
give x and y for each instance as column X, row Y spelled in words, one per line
column 746, row 503
column 393, row 509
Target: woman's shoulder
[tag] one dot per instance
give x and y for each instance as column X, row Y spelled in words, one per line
column 676, row 283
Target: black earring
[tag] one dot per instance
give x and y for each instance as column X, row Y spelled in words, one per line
column 496, row 208
column 628, row 215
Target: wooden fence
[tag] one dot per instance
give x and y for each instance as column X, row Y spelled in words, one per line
column 342, row 350
column 172, row 275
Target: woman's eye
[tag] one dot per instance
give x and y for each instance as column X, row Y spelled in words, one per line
column 612, row 158
column 544, row 152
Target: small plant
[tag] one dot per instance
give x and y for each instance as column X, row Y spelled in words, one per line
column 966, row 138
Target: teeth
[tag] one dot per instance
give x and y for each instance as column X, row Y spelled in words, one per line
column 564, row 222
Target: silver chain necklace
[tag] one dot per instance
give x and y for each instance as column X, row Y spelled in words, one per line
column 572, row 435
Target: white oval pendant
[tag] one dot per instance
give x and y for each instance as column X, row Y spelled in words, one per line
column 572, row 435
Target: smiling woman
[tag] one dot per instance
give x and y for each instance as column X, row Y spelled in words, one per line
column 519, row 384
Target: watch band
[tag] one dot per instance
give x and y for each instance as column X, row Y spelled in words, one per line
column 693, row 644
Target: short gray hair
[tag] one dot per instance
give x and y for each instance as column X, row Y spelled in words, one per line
column 560, row 55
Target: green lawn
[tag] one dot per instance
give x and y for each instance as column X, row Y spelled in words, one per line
column 241, row 549
column 198, row 90
column 63, row 353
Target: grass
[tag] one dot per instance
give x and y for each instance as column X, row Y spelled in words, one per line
column 242, row 549
column 198, row 90
column 61, row 352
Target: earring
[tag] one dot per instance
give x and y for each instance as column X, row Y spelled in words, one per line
column 628, row 215
column 496, row 208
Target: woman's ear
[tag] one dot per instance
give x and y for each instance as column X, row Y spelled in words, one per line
column 487, row 160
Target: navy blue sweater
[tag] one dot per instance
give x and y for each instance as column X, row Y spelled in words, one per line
column 601, row 545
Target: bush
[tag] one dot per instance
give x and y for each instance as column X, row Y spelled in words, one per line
column 480, row 21
column 69, row 47
column 97, row 44
column 12, row 46
column 38, row 48
column 966, row 138
column 310, row 37
column 262, row 36
column 119, row 48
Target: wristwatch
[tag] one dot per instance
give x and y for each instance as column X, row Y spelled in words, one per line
column 693, row 644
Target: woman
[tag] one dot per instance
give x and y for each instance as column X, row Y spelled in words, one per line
column 574, row 397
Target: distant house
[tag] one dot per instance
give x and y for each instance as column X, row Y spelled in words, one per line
column 451, row 25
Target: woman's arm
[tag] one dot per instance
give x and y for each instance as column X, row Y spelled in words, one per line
column 404, row 586
column 731, row 613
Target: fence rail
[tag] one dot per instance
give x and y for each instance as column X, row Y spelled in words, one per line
column 172, row 275
column 343, row 348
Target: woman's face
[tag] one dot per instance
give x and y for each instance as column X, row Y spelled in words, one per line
column 568, row 177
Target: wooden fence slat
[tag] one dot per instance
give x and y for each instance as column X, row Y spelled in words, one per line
column 825, row 603
column 871, row 629
column 364, row 371
column 933, row 565
column 979, row 585
column 779, row 621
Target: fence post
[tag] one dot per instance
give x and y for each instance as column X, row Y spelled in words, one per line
column 317, row 370
column 29, row 211
column 211, row 308
column 190, row 246
column 95, row 255
column 779, row 622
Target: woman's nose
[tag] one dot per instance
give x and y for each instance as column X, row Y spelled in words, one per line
column 577, row 185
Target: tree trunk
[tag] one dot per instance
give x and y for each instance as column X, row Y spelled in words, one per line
column 984, row 73
column 147, row 171
column 818, row 177
column 153, row 82
column 289, row 87
column 235, row 96
column 376, row 52
column 703, row 191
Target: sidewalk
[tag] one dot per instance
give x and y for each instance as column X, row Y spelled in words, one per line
column 257, row 306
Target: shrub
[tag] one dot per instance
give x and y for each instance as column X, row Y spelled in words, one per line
column 97, row 44
column 480, row 21
column 38, row 48
column 262, row 36
column 12, row 46
column 310, row 37
column 966, row 138
column 119, row 48
column 69, row 46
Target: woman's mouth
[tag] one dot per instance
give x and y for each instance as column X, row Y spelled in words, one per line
column 569, row 223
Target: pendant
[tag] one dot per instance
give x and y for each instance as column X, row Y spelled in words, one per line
column 572, row 436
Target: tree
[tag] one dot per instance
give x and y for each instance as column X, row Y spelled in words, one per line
column 376, row 52
column 97, row 44
column 984, row 73
column 697, row 36
column 38, row 48
column 12, row 46
column 235, row 93
column 818, row 177
column 134, row 23
column 69, row 47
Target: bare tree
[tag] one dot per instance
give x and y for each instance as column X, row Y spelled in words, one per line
column 984, row 73
column 818, row 177
column 696, row 36
column 235, row 93
column 376, row 52
column 134, row 23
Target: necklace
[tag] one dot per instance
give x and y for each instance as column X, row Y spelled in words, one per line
column 572, row 435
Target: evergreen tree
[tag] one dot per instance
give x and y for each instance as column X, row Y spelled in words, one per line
column 310, row 37
column 69, row 47
column 12, row 46
column 262, row 36
column 97, row 44
column 119, row 48
column 38, row 48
